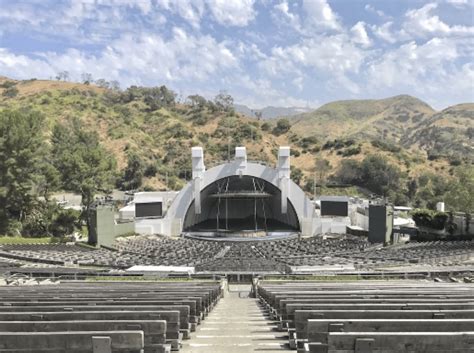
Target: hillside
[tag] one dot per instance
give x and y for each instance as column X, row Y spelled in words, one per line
column 270, row 112
column 161, row 135
column 388, row 118
column 447, row 133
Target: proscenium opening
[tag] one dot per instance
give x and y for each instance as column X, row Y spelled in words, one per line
column 238, row 204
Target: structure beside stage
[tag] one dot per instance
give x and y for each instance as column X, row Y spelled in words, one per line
column 237, row 199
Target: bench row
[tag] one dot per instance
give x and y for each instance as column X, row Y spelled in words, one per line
column 164, row 313
column 319, row 315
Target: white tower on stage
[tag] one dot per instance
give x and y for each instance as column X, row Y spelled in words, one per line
column 198, row 175
column 284, row 176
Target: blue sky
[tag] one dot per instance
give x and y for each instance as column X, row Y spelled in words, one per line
column 268, row 52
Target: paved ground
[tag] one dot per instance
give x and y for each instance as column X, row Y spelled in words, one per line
column 236, row 325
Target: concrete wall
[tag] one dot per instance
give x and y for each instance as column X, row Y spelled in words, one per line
column 106, row 229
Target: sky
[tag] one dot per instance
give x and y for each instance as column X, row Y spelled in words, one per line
column 300, row 53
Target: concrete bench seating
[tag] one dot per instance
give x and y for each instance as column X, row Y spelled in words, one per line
column 318, row 329
column 73, row 342
column 183, row 311
column 395, row 342
column 251, row 256
column 365, row 307
column 173, row 335
column 194, row 314
column 154, row 330
column 107, row 306
column 194, row 317
column 288, row 313
column 303, row 317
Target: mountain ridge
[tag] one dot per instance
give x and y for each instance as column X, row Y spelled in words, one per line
column 395, row 128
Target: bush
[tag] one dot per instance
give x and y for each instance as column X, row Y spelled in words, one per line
column 351, row 151
column 282, row 126
column 307, row 142
column 455, row 161
column 265, row 127
column 296, row 175
column 338, row 144
column 430, row 219
column 10, row 92
column 65, row 223
column 385, row 146
column 7, row 84
column 150, row 170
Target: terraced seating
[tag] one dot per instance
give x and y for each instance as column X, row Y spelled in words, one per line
column 74, row 342
column 278, row 256
column 59, row 254
column 449, row 252
column 242, row 257
column 164, row 313
column 313, row 251
column 325, row 317
column 170, row 252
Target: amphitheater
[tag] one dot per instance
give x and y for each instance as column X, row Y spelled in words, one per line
column 256, row 281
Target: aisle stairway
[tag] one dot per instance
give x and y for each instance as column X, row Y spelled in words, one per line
column 237, row 325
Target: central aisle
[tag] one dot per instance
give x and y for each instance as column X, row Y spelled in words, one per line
column 236, row 325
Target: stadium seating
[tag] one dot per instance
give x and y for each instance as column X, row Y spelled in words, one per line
column 372, row 316
column 127, row 316
column 277, row 256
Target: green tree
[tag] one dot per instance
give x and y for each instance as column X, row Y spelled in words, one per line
column 379, row 176
column 21, row 149
column 431, row 189
column 133, row 174
column 86, row 167
column 296, row 174
column 224, row 102
column 460, row 195
column 158, row 97
column 322, row 168
column 282, row 126
column 197, row 101
column 349, row 172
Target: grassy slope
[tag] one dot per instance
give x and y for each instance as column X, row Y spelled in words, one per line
column 446, row 132
column 21, row 240
column 364, row 118
column 166, row 136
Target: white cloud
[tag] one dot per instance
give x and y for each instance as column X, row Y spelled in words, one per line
column 21, row 66
column 190, row 10
column 298, row 82
column 332, row 58
column 321, row 15
column 334, row 53
column 372, row 9
column 390, row 35
column 144, row 59
column 283, row 12
column 412, row 66
column 458, row 3
column 384, row 32
column 359, row 34
column 421, row 22
column 232, row 12
column 252, row 94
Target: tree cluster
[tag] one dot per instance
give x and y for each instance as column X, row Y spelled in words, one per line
column 32, row 168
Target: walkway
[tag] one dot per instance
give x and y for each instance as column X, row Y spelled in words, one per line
column 236, row 325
